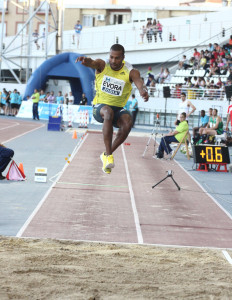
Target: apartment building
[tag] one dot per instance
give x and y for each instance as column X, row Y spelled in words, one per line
column 90, row 16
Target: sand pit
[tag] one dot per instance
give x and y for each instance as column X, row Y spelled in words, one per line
column 51, row 269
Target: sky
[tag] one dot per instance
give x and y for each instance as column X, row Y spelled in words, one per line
column 126, row 2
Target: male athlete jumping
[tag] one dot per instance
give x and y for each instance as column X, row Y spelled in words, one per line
column 113, row 83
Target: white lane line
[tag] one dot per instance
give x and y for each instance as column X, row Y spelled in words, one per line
column 227, row 256
column 135, row 212
column 17, row 136
column 208, row 193
column 21, row 231
column 17, row 124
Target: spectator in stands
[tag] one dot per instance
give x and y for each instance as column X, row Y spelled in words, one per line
column 229, row 45
column 173, row 137
column 159, row 77
column 150, row 76
column 155, row 30
column 210, row 47
column 143, row 33
column 42, row 95
column 177, row 91
column 78, row 29
column 173, row 38
column 216, row 46
column 152, row 88
column 149, row 31
column 203, row 123
column 166, row 76
column 35, row 34
column 60, row 98
column 203, row 61
column 160, row 30
column 229, row 116
column 196, row 55
column 149, row 80
column 217, row 125
column 219, row 83
column 51, row 98
column 184, row 63
column 229, row 78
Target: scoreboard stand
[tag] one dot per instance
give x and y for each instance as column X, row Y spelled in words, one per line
column 205, row 167
column 207, row 155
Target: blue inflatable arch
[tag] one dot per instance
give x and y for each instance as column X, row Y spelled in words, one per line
column 63, row 67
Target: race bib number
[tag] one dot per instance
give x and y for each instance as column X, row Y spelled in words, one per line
column 112, row 86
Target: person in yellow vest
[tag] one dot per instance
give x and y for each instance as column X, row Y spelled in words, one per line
column 114, row 78
column 35, row 100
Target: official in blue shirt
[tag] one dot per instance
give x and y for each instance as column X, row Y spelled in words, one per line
column 60, row 98
column 204, row 122
column 134, row 106
column 14, row 102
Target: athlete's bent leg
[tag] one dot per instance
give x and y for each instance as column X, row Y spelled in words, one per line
column 107, row 114
column 125, row 124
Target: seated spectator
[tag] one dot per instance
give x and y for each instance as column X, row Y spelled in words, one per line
column 173, row 137
column 229, row 45
column 219, row 83
column 196, row 55
column 203, row 61
column 159, row 77
column 213, row 70
column 173, row 38
column 60, row 98
column 184, row 63
column 210, row 47
column 166, row 76
column 203, row 123
column 6, row 155
column 214, row 126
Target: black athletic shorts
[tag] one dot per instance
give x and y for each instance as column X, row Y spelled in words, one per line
column 118, row 111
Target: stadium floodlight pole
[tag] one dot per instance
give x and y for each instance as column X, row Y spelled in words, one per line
column 30, row 27
column 59, row 34
column 4, row 6
column 46, row 29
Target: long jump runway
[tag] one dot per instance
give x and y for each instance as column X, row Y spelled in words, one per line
column 86, row 204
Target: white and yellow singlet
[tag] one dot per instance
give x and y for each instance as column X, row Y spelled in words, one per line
column 113, row 87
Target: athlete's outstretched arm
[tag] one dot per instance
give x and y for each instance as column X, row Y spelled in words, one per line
column 135, row 77
column 97, row 64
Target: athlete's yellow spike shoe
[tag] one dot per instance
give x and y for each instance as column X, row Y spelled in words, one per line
column 108, row 162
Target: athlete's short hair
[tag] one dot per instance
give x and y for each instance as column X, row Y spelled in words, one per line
column 118, row 47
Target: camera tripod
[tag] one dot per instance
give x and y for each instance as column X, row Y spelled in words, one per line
column 170, row 173
column 154, row 132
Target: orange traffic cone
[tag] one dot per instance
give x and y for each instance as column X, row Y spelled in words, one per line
column 21, row 168
column 74, row 134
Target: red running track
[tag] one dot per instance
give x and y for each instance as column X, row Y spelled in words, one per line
column 87, row 204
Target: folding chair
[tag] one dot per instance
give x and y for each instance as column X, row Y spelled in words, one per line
column 183, row 141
